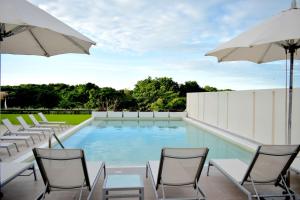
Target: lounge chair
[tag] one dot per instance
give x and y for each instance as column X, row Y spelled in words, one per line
column 17, row 138
column 10, row 171
column 13, row 130
column 296, row 165
column 46, row 121
column 65, row 169
column 268, row 168
column 7, row 146
column 178, row 167
column 26, row 127
column 38, row 125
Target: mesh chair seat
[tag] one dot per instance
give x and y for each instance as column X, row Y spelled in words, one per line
column 178, row 167
column 66, row 169
column 268, row 166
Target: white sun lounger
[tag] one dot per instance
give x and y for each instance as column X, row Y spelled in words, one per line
column 268, row 167
column 37, row 124
column 13, row 130
column 178, row 167
column 46, row 121
column 17, row 138
column 10, row 171
column 65, row 169
column 296, row 165
column 26, row 127
column 7, row 146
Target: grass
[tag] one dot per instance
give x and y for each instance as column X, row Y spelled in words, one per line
column 69, row 119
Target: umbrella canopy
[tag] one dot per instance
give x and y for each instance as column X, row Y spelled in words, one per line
column 264, row 42
column 25, row 29
column 272, row 40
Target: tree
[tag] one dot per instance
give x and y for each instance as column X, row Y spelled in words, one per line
column 208, row 88
column 189, row 86
column 177, row 104
column 159, row 94
column 147, row 93
column 104, row 99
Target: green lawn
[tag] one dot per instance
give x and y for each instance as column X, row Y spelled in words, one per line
column 70, row 119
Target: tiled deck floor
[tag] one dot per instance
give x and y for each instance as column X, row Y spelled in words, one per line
column 216, row 187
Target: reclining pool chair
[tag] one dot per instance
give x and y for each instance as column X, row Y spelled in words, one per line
column 65, row 169
column 38, row 125
column 26, row 127
column 10, row 171
column 46, row 121
column 16, row 138
column 7, row 146
column 13, row 130
column 177, row 167
column 268, row 167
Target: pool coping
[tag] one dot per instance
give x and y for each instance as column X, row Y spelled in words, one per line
column 28, row 157
column 231, row 137
column 226, row 135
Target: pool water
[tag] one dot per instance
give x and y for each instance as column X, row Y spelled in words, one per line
column 123, row 143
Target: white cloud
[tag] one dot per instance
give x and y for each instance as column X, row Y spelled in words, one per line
column 161, row 38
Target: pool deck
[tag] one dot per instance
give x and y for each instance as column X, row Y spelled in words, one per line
column 215, row 186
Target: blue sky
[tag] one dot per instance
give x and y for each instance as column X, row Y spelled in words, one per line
column 140, row 38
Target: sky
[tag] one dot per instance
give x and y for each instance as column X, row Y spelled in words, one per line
column 140, row 38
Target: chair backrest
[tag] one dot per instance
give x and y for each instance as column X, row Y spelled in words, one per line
column 23, row 122
column 62, row 168
column 11, row 128
column 35, row 122
column 270, row 162
column 181, row 166
column 43, row 117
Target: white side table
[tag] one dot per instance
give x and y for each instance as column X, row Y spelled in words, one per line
column 122, row 183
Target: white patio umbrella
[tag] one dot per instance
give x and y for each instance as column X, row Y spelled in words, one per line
column 25, row 29
column 272, row 40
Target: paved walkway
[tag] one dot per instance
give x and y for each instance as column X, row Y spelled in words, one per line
column 216, row 187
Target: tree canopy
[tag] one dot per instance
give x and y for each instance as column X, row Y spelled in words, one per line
column 155, row 94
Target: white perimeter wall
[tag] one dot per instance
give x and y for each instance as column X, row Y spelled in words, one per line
column 258, row 115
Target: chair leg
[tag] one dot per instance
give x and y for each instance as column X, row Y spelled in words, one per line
column 7, row 148
column 42, row 195
column 27, row 143
column 147, row 170
column 16, row 147
column 199, row 190
column 104, row 171
column 255, row 190
column 288, row 190
column 163, row 191
column 32, row 139
column 34, row 173
column 209, row 164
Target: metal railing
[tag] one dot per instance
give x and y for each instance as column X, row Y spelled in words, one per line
column 58, row 141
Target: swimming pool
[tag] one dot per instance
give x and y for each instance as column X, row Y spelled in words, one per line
column 124, row 143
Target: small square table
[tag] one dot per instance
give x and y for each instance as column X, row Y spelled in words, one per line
column 122, row 183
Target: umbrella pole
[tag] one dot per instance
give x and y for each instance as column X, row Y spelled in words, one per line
column 289, row 133
column 292, row 52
